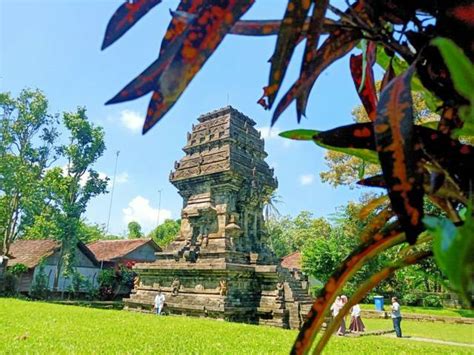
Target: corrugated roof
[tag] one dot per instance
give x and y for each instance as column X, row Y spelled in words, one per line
column 292, row 261
column 109, row 250
column 30, row 252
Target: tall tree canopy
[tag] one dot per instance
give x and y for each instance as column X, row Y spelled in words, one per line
column 28, row 133
column 134, row 230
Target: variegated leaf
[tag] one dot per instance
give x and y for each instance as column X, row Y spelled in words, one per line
column 125, row 17
column 290, row 30
column 399, row 155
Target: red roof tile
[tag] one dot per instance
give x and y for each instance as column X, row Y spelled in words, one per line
column 30, row 252
column 292, row 261
column 109, row 250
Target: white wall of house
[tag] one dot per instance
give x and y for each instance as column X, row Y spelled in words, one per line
column 82, row 263
column 89, row 273
column 143, row 253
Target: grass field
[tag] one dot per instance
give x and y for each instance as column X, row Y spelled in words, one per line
column 448, row 332
column 430, row 310
column 35, row 327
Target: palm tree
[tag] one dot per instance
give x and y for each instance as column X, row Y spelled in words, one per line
column 270, row 210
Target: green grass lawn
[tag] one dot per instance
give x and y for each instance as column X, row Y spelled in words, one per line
column 448, row 332
column 449, row 312
column 36, row 327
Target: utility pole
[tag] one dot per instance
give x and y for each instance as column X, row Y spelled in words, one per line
column 159, row 208
column 112, row 192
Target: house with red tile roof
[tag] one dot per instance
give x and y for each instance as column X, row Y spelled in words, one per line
column 124, row 251
column 47, row 252
column 292, row 261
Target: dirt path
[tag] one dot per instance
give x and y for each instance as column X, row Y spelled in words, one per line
column 428, row 340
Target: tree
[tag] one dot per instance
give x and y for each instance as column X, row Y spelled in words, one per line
column 134, row 230
column 27, row 136
column 71, row 188
column 269, row 206
column 287, row 235
column 166, row 232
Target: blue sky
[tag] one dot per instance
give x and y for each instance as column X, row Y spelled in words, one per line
column 54, row 45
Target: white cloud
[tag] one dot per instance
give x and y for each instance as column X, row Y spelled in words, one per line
column 306, row 179
column 268, row 132
column 272, row 133
column 121, row 178
column 140, row 210
column 131, row 120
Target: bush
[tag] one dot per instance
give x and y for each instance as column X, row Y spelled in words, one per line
column 39, row 289
column 432, row 301
column 90, row 292
column 18, row 269
column 410, row 299
column 9, row 284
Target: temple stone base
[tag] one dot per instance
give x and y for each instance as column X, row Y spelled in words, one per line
column 256, row 294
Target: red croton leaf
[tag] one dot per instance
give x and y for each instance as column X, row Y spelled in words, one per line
column 315, row 318
column 148, row 80
column 458, row 163
column 184, row 15
column 358, row 135
column 312, row 41
column 125, row 17
column 399, row 155
column 290, row 32
column 363, row 77
column 339, row 43
column 373, row 181
column 203, row 36
column 272, row 27
column 449, row 120
column 431, row 144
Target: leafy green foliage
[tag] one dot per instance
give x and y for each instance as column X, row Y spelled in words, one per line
column 112, row 280
column 454, row 251
column 462, row 74
column 27, row 137
column 134, row 230
column 287, row 235
column 71, row 190
column 432, row 301
column 166, row 232
column 18, row 269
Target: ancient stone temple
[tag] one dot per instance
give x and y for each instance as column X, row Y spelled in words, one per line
column 219, row 265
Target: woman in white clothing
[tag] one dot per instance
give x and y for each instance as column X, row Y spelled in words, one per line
column 356, row 322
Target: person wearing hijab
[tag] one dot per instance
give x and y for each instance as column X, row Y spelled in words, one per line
column 356, row 322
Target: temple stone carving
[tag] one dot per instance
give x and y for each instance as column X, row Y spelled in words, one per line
column 219, row 265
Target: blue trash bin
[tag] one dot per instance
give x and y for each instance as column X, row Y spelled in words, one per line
column 378, row 301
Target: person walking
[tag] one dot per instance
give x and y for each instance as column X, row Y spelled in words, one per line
column 342, row 328
column 336, row 306
column 356, row 322
column 159, row 302
column 396, row 317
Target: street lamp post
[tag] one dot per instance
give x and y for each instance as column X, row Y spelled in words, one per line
column 112, row 191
